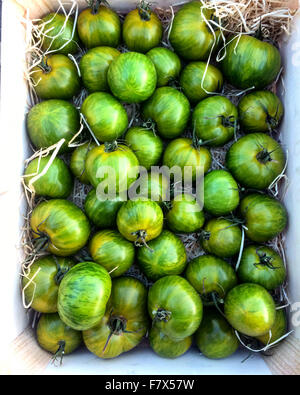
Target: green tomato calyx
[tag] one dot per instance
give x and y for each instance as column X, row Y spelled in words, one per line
column 264, row 156
column 59, row 355
column 95, row 5
column 141, row 239
column 265, row 260
column 111, row 146
column 43, row 65
column 204, row 235
column 117, row 325
column 150, row 125
column 162, row 315
column 144, row 10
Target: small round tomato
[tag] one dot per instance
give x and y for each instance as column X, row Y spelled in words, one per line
column 167, row 107
column 125, row 322
column 50, row 121
column 56, row 77
column 58, row 34
column 55, row 336
column 215, row 338
column 41, row 282
column 185, row 154
column 112, row 251
column 105, row 115
column 167, row 65
column 278, row 329
column 114, row 165
column 98, row 26
column 103, row 213
column 166, row 255
column 165, row 347
column 175, row 307
column 94, row 67
column 78, row 158
column 185, row 215
column 60, row 226
column 264, row 217
column 57, row 182
column 250, row 309
column 140, row 221
column 260, row 111
column 255, row 160
column 239, row 67
column 147, row 147
column 215, row 121
column 132, row 77
column 192, row 35
column 209, row 274
column 221, row 237
column 142, row 29
column 221, row 193
column 152, row 185
column 199, row 81
column 83, row 295
column 261, row 265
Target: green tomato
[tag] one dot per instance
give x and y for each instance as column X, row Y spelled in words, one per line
column 94, row 67
column 152, row 185
column 262, row 265
column 83, row 295
column 166, row 255
column 165, row 347
column 278, row 329
column 199, row 81
column 78, row 158
column 40, row 285
column 167, row 106
column 250, row 63
column 112, row 251
column 105, row 115
column 255, row 160
column 50, row 121
column 57, row 182
column 132, row 77
column 250, row 309
column 215, row 121
column 167, row 65
column 215, row 338
column 264, row 217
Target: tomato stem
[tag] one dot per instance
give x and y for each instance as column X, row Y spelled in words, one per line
column 162, row 315
column 144, row 10
column 111, row 147
column 95, row 5
column 44, row 65
column 265, row 260
column 59, row 353
column 141, row 239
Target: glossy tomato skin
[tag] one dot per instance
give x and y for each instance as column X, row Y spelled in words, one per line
column 121, row 160
column 221, row 193
column 63, row 224
column 147, row 147
column 185, row 215
column 105, row 115
column 132, row 77
column 254, row 267
column 66, row 36
column 221, row 237
column 139, row 216
column 182, row 153
column 250, row 309
column 125, row 322
column 103, row 213
column 165, row 347
column 264, row 217
column 99, row 28
column 190, row 35
column 239, row 67
column 175, row 307
column 214, row 120
column 152, row 185
column 260, row 111
column 54, row 335
column 278, row 329
column 50, row 121
column 215, row 338
column 78, row 158
column 58, row 80
column 40, row 285
column 142, row 32
column 191, row 81
column 83, row 295
column 167, row 106
column 255, row 160
column 94, row 67
column 112, row 251
column 57, row 182
column 209, row 274
column 167, row 65
column 166, row 256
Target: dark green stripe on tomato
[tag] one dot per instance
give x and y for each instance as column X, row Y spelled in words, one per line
column 165, row 347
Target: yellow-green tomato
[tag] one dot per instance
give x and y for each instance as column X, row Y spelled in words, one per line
column 78, row 158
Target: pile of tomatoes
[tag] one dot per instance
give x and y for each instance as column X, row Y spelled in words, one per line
column 183, row 114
